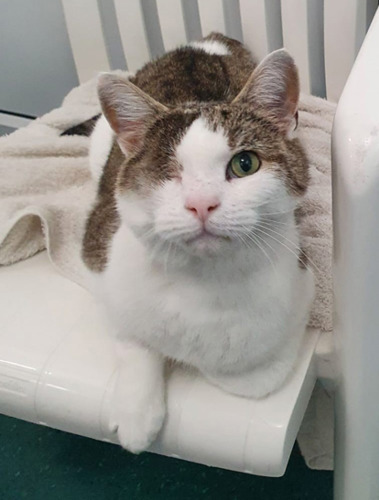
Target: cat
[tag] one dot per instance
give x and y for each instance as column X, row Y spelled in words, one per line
column 192, row 241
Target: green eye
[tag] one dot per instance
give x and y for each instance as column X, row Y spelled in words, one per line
column 243, row 164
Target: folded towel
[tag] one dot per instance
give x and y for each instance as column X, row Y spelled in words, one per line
column 46, row 188
column 46, row 192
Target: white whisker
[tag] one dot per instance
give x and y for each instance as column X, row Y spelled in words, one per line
column 297, row 255
column 272, row 200
column 274, row 221
column 250, row 234
column 296, row 247
column 167, row 257
column 281, row 212
column 256, row 240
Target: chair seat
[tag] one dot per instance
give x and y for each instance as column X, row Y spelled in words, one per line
column 58, row 367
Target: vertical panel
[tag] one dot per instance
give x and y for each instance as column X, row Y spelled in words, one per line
column 191, row 19
column 303, row 36
column 111, row 33
column 295, row 37
column 261, row 26
column 211, row 16
column 86, row 37
column 274, row 24
column 152, row 27
column 254, row 28
column 371, row 8
column 232, row 16
column 172, row 23
column 132, row 31
column 345, row 27
column 315, row 23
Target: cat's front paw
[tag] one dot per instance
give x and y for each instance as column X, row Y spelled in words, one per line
column 138, row 424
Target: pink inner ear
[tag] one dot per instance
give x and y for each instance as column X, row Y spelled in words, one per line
column 131, row 134
column 274, row 86
column 292, row 93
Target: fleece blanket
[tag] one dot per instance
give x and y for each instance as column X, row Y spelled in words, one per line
column 46, row 192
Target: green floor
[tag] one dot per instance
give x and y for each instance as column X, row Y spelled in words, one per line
column 42, row 464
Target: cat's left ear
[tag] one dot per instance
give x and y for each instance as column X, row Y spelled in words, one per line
column 273, row 90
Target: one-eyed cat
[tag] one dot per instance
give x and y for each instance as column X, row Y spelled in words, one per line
column 193, row 241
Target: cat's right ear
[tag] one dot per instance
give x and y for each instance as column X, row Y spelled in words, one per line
column 273, row 89
column 128, row 110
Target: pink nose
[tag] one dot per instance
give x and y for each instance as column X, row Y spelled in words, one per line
column 202, row 207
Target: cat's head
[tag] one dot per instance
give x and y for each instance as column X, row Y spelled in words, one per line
column 207, row 179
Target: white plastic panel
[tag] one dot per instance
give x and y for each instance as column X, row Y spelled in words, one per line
column 261, row 26
column 191, row 20
column 58, row 366
column 132, row 32
column 232, row 17
column 303, row 37
column 345, row 23
column 152, row 28
column 111, row 34
column 295, row 37
column 86, row 37
column 356, row 276
column 172, row 23
column 211, row 16
column 254, row 27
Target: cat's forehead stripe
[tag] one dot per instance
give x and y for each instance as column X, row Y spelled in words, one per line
column 202, row 148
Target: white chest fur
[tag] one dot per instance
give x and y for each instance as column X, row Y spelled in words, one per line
column 226, row 320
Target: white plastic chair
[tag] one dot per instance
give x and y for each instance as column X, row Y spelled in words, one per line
column 48, row 373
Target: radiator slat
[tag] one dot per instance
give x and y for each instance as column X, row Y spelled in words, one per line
column 303, row 38
column 232, row 16
column 344, row 35
column 171, row 19
column 152, row 28
column 261, row 26
column 323, row 36
column 295, row 37
column 211, row 16
column 191, row 19
column 315, row 23
column 111, row 33
column 86, row 37
column 132, row 32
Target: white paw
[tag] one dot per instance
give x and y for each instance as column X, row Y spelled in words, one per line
column 138, row 423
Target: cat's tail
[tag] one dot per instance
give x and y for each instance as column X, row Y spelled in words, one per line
column 102, row 137
column 102, row 140
column 83, row 128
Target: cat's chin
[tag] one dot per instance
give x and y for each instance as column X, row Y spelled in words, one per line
column 207, row 244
